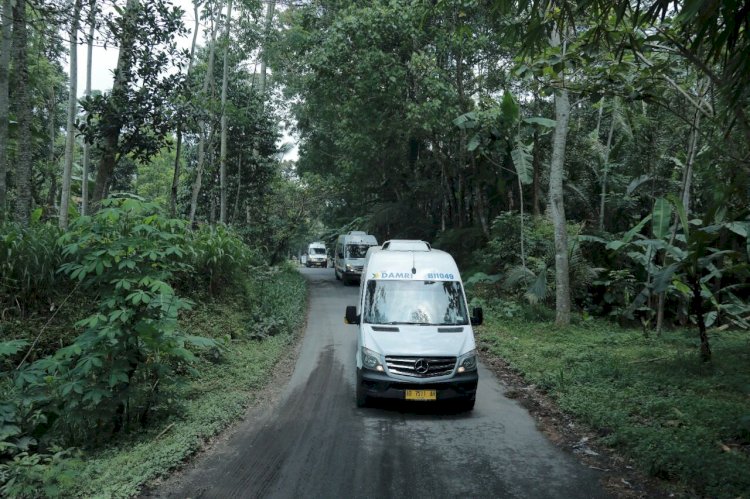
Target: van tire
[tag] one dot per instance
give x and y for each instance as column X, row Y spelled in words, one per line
column 466, row 405
column 336, row 273
column 362, row 397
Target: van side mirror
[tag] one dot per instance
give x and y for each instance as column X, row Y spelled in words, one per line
column 351, row 316
column 477, row 316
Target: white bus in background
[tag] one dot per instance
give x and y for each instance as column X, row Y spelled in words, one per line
column 415, row 339
column 349, row 255
column 316, row 255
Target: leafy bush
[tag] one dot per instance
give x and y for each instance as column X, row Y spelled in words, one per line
column 217, row 254
column 534, row 281
column 29, row 259
column 131, row 349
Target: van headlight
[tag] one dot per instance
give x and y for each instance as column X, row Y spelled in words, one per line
column 349, row 268
column 467, row 362
column 371, row 360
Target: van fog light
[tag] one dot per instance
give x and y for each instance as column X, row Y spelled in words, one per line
column 379, row 368
column 462, row 369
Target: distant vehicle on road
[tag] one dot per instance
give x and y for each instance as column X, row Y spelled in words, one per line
column 415, row 337
column 316, row 255
column 349, row 255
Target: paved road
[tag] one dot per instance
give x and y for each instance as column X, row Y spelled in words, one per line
column 316, row 443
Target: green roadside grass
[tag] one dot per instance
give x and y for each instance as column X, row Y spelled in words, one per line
column 679, row 419
column 208, row 403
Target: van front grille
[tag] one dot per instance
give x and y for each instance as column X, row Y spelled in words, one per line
column 420, row 367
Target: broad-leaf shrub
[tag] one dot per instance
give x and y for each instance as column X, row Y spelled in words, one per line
column 534, row 281
column 130, row 350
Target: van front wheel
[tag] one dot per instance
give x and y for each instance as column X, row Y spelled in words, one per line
column 362, row 397
column 465, row 405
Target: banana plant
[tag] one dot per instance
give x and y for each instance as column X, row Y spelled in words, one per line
column 502, row 126
column 693, row 268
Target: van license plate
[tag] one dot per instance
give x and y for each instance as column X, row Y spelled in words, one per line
column 421, row 395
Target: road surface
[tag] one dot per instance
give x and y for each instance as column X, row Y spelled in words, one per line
column 315, row 443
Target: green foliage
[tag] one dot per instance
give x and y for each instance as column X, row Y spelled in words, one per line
column 689, row 265
column 217, row 256
column 216, row 395
column 131, row 349
column 678, row 418
column 29, row 259
column 34, row 474
column 460, row 243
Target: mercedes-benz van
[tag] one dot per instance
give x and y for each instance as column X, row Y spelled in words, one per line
column 316, row 255
column 415, row 339
column 349, row 255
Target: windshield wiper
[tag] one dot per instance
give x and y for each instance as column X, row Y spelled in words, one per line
column 409, row 323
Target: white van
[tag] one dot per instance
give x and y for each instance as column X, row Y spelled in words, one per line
column 316, row 255
column 349, row 255
column 415, row 335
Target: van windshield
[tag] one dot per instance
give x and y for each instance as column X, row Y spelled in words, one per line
column 317, row 251
column 356, row 250
column 435, row 303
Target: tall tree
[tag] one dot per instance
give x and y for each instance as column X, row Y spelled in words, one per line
column 72, row 112
column 86, row 145
column 178, row 147
column 203, row 125
column 270, row 6
column 223, row 152
column 22, row 103
column 556, row 198
column 5, row 47
column 135, row 118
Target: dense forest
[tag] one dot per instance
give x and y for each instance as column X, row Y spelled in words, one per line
column 593, row 155
column 587, row 158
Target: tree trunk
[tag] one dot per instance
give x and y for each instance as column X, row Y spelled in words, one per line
column 22, row 103
column 203, row 127
column 224, row 131
column 239, row 188
column 697, row 308
column 52, row 197
column 86, row 145
column 556, row 200
column 536, row 167
column 112, row 116
column 263, row 59
column 603, row 195
column 686, row 182
column 5, row 48
column 178, row 148
column 70, row 139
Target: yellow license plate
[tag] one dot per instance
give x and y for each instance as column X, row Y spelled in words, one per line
column 421, row 395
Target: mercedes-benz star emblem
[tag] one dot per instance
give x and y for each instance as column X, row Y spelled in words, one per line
column 421, row 366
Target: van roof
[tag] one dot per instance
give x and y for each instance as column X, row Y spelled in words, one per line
column 406, row 245
column 362, row 238
column 422, row 264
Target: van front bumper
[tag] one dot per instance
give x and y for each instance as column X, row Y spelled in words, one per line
column 380, row 385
